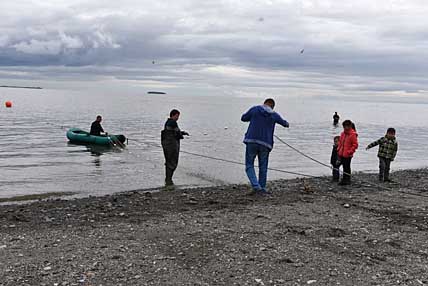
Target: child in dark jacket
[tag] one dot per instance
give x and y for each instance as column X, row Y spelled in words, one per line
column 388, row 148
column 334, row 158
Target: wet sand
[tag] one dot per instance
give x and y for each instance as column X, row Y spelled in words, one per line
column 309, row 232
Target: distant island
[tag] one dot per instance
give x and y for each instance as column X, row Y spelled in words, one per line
column 156, row 92
column 15, row 86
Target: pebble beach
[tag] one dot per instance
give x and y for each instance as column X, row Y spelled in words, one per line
column 308, row 232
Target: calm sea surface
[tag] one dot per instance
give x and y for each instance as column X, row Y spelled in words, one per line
column 35, row 156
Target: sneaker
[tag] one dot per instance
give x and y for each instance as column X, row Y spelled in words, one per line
column 390, row 181
column 261, row 192
column 265, row 192
column 251, row 193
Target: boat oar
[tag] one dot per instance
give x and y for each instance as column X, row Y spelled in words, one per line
column 114, row 141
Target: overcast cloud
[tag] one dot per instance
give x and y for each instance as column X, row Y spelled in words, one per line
column 242, row 47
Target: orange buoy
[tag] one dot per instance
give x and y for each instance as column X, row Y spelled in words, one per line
column 8, row 104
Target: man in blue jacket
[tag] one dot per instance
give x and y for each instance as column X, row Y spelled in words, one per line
column 259, row 141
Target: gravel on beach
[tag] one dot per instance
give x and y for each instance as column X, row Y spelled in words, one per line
column 308, row 232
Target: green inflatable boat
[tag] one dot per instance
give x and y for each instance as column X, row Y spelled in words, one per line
column 79, row 136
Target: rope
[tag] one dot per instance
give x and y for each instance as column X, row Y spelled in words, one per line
column 303, row 154
column 239, row 163
column 337, row 169
column 284, row 171
column 229, row 161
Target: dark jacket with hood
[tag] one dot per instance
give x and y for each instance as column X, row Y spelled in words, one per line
column 334, row 156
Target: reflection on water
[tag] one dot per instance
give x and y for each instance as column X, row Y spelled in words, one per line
column 97, row 160
column 96, row 151
column 36, row 158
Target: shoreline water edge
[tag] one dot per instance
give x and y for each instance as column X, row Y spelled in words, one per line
column 309, row 231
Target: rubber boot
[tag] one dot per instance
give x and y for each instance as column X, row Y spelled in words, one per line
column 168, row 177
column 386, row 179
column 346, row 180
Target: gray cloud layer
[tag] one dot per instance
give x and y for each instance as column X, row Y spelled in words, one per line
column 350, row 46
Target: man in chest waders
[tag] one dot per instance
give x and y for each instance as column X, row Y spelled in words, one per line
column 336, row 118
column 170, row 140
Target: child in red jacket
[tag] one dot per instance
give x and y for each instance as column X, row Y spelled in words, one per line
column 348, row 144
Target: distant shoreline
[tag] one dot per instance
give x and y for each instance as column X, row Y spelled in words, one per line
column 156, row 92
column 16, row 86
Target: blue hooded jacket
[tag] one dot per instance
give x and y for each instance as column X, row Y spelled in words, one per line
column 262, row 125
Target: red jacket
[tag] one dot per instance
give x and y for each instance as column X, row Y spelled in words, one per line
column 348, row 144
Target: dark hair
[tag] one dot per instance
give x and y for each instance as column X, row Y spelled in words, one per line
column 353, row 126
column 390, row 130
column 270, row 101
column 174, row 112
column 99, row 116
column 347, row 123
column 336, row 137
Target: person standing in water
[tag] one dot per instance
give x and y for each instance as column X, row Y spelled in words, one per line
column 170, row 140
column 96, row 127
column 259, row 141
column 336, row 118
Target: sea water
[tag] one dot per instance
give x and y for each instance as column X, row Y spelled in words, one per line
column 35, row 156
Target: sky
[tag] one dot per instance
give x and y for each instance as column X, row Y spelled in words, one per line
column 231, row 47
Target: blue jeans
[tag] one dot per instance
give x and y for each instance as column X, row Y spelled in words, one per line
column 252, row 151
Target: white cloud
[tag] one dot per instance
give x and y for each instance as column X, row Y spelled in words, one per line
column 102, row 39
column 70, row 42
